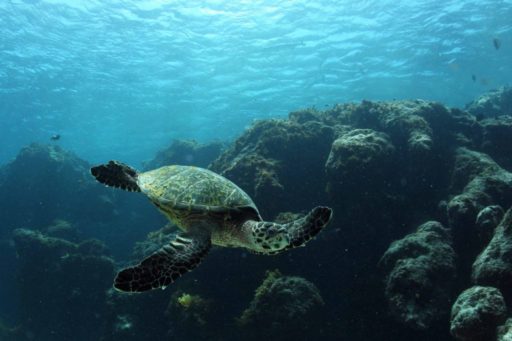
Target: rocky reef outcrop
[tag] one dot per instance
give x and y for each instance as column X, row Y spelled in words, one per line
column 477, row 313
column 493, row 267
column 496, row 139
column 279, row 164
column 485, row 184
column 136, row 317
column 505, row 331
column 494, row 103
column 61, row 283
column 358, row 160
column 45, row 183
column 383, row 166
column 186, row 152
column 283, row 308
column 420, row 274
column 193, row 317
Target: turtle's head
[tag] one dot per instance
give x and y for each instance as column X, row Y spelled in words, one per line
column 269, row 237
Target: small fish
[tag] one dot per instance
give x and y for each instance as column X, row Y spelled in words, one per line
column 473, row 77
column 55, row 137
column 497, row 43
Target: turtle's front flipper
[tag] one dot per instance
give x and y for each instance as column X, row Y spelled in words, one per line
column 303, row 229
column 117, row 174
column 271, row 238
column 167, row 264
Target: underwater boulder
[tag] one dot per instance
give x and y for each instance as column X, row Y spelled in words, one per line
column 492, row 104
column 283, row 308
column 360, row 160
column 420, row 275
column 497, row 140
column 487, row 220
column 62, row 229
column 279, row 163
column 476, row 314
column 505, row 331
column 493, row 267
column 403, row 121
column 192, row 317
column 486, row 184
column 186, row 152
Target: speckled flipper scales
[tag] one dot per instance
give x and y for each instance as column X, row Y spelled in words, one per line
column 167, row 264
column 302, row 230
column 117, row 174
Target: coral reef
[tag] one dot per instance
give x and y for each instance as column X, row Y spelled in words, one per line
column 420, row 271
column 188, row 152
column 283, row 308
column 476, row 314
column 60, row 283
column 493, row 266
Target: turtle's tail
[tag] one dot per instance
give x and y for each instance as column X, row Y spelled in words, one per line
column 302, row 230
column 117, row 174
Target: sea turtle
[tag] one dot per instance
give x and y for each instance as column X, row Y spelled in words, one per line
column 209, row 209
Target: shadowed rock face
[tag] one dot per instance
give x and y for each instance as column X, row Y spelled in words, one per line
column 476, row 314
column 284, row 307
column 420, row 274
column 189, row 153
column 493, row 267
column 45, row 183
column 505, row 331
column 279, row 164
column 61, row 283
column 486, row 184
column 492, row 104
column 358, row 160
column 496, row 139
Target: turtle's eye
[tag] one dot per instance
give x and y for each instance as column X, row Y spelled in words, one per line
column 271, row 232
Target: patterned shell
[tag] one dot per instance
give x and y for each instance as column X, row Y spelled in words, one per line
column 192, row 186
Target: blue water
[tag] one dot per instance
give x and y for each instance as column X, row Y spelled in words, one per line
column 121, row 79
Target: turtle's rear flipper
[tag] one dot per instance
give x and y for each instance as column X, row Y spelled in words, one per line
column 166, row 265
column 116, row 174
column 302, row 230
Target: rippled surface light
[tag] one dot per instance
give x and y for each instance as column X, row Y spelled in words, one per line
column 122, row 78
